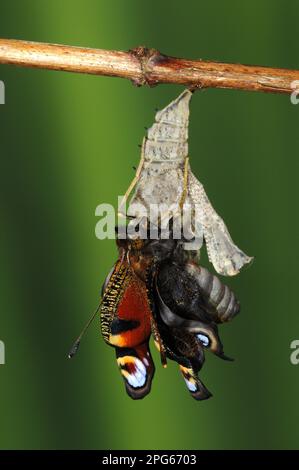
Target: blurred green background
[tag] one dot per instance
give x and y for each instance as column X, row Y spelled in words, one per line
column 68, row 142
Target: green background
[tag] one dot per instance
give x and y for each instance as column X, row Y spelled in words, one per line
column 68, row 142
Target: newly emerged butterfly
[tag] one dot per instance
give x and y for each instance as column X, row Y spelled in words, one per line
column 157, row 287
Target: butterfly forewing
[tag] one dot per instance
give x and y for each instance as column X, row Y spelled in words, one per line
column 126, row 325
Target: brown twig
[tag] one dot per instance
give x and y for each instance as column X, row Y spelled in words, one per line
column 147, row 67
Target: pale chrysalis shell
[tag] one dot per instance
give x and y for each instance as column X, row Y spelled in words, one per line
column 164, row 151
column 161, row 181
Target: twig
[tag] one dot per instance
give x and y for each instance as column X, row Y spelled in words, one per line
column 145, row 66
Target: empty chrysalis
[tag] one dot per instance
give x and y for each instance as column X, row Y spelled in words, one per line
column 164, row 176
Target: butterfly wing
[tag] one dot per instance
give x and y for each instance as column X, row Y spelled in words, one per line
column 137, row 369
column 185, row 324
column 179, row 345
column 126, row 325
column 195, row 386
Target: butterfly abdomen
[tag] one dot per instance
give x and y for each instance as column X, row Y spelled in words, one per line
column 219, row 298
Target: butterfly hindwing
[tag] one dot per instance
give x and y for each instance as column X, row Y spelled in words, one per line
column 137, row 369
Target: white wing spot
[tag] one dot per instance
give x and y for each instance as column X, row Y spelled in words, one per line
column 203, row 339
column 191, row 386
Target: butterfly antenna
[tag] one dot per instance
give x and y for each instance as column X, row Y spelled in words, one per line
column 76, row 344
